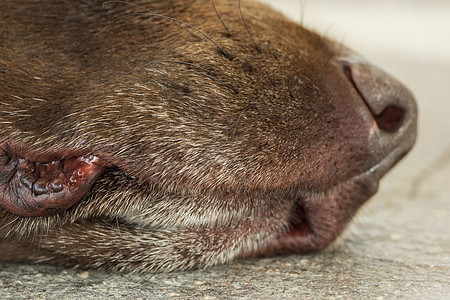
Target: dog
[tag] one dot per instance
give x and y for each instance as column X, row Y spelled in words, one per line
column 149, row 136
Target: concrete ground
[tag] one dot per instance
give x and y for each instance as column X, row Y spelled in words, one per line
column 399, row 244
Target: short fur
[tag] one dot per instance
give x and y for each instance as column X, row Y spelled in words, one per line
column 218, row 140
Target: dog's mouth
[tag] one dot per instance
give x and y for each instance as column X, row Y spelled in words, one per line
column 31, row 187
column 316, row 221
column 50, row 183
column 45, row 184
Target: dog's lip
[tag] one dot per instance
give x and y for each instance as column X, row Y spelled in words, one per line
column 372, row 174
column 318, row 219
column 36, row 184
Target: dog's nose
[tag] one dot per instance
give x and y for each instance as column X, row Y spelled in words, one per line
column 391, row 105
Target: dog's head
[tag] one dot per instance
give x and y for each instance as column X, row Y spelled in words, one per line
column 173, row 134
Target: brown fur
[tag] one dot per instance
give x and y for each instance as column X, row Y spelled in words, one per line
column 267, row 142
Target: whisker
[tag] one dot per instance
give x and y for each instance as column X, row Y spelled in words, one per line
column 248, row 30
column 161, row 84
column 154, row 82
column 302, row 7
column 236, row 124
column 211, row 74
column 221, row 21
column 174, row 21
column 212, row 77
column 185, row 63
column 147, row 13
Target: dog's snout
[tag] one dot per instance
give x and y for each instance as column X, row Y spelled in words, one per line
column 389, row 103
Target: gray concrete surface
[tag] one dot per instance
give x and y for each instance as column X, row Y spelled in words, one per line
column 398, row 247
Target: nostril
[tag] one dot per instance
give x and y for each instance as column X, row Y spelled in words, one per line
column 390, row 118
column 347, row 69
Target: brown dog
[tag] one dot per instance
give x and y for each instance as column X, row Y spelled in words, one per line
column 170, row 134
